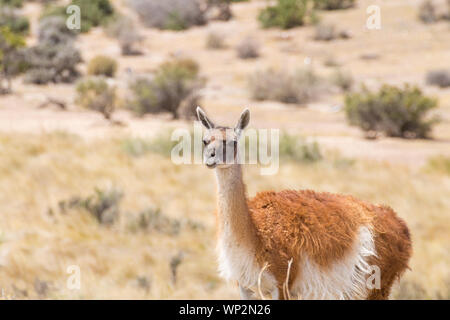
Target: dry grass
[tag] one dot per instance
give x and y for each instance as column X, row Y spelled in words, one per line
column 38, row 171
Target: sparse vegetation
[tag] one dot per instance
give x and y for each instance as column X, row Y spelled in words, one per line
column 151, row 182
column 297, row 149
column 296, row 87
column 162, row 144
column 169, row 14
column 328, row 32
column 53, row 30
column 439, row 164
column 96, row 94
column 440, row 78
column 287, row 14
column 11, row 3
column 343, row 80
column 54, row 58
column 215, row 40
column 94, row 12
column 125, row 31
column 217, row 10
column 11, row 58
column 333, row 4
column 153, row 219
column 172, row 88
column 397, row 112
column 248, row 48
column 111, row 200
column 102, row 66
column 103, row 205
column 14, row 21
column 432, row 11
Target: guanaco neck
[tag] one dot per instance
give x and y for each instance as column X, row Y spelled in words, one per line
column 235, row 223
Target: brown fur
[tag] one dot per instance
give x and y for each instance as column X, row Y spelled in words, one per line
column 324, row 226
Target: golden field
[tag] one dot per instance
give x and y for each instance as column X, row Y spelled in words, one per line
column 48, row 156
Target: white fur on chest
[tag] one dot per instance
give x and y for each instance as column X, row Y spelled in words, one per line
column 345, row 279
column 237, row 262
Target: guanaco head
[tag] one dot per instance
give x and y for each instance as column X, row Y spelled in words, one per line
column 221, row 143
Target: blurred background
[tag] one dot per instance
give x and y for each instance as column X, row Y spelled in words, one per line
column 359, row 89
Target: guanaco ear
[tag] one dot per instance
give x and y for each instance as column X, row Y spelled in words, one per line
column 243, row 120
column 204, row 119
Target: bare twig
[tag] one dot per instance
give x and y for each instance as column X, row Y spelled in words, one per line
column 286, row 282
column 266, row 265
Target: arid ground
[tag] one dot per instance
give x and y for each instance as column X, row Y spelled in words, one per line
column 49, row 157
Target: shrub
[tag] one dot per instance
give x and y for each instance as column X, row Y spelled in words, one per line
column 328, row 32
column 325, row 32
column 11, row 3
column 397, row 112
column 431, row 12
column 126, row 33
column 217, row 10
column 427, row 12
column 286, row 14
column 53, row 30
column 11, row 58
column 343, row 80
column 439, row 78
column 153, row 219
column 103, row 205
column 248, row 48
column 102, row 66
column 162, row 144
column 173, row 85
column 54, row 58
column 439, row 164
column 215, row 40
column 93, row 13
column 15, row 22
column 296, row 149
column 333, row 4
column 298, row 87
column 169, row 14
column 96, row 94
column 49, row 63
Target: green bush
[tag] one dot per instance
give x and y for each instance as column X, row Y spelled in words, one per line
column 53, row 30
column 12, row 61
column 15, row 22
column 11, row 3
column 300, row 86
column 287, row 14
column 162, row 144
column 54, row 58
column 102, row 66
column 296, row 149
column 93, row 12
column 333, row 4
column 439, row 164
column 173, row 88
column 397, row 112
column 96, row 94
